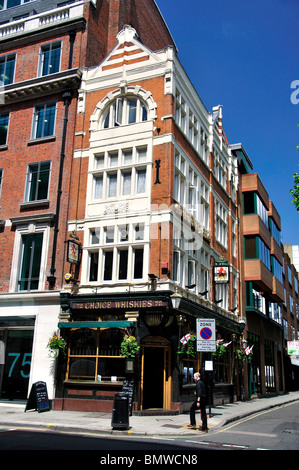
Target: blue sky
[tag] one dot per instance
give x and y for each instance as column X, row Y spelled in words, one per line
column 244, row 55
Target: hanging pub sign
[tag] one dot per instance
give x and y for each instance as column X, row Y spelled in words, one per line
column 73, row 252
column 221, row 273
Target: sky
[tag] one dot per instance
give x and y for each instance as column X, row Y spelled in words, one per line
column 244, row 55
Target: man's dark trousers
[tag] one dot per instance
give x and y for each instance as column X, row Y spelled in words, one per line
column 202, row 410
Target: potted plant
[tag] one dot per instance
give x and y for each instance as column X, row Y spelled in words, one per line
column 57, row 343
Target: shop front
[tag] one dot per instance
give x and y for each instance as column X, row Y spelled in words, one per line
column 96, row 367
column 15, row 359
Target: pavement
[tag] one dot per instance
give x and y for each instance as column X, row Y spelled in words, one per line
column 12, row 414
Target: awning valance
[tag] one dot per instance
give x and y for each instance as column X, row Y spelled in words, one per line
column 96, row 324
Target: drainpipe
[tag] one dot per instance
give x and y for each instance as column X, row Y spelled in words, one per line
column 67, row 98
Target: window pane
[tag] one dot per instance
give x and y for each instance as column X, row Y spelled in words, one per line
column 38, row 181
column 132, row 111
column 139, row 232
column 3, row 128
column 83, row 342
column 138, row 263
column 7, row 68
column 109, row 234
column 143, row 112
column 141, row 154
column 49, row 120
column 98, row 187
column 123, row 264
column 45, row 119
column 113, row 159
column 95, row 237
column 249, row 206
column 13, row 3
column 112, row 185
column 127, row 157
column 118, row 111
column 126, row 183
column 55, row 58
column 30, row 262
column 93, row 266
column 99, row 162
column 123, row 233
column 108, row 265
column 141, row 178
column 250, row 247
column 82, row 368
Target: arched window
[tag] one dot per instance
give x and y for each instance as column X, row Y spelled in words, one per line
column 124, row 110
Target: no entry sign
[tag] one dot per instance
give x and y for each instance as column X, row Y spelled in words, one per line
column 205, row 335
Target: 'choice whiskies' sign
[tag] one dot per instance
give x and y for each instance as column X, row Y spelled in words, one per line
column 118, row 304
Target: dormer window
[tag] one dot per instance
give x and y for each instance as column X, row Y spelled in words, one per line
column 123, row 111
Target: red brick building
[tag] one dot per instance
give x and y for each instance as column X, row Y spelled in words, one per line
column 153, row 202
column 105, row 142
column 44, row 45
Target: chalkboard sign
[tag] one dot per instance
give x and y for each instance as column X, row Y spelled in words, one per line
column 128, row 389
column 38, row 398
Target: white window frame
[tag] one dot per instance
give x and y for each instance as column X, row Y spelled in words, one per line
column 42, row 52
column 28, row 229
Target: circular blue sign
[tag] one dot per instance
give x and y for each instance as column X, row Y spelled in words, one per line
column 206, row 333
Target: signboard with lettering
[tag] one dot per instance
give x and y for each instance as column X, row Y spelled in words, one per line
column 293, row 348
column 206, row 335
column 106, row 305
column 38, row 398
column 128, row 389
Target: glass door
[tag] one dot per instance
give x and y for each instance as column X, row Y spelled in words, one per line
column 15, row 371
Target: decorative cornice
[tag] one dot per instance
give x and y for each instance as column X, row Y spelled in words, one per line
column 40, row 86
column 37, row 219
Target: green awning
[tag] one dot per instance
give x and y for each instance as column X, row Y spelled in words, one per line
column 96, row 324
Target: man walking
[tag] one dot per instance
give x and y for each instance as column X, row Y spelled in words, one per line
column 199, row 403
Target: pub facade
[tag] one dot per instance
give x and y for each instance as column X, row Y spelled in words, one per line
column 153, row 210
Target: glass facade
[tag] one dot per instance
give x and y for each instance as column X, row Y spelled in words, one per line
column 15, row 363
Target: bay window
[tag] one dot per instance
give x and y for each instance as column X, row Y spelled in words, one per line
column 120, row 173
column 123, row 260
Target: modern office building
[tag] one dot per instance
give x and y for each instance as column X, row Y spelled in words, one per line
column 270, row 286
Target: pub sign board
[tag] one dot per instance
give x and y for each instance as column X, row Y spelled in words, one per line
column 221, row 274
column 73, row 252
column 38, row 398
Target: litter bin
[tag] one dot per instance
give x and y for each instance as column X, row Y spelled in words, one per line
column 120, row 411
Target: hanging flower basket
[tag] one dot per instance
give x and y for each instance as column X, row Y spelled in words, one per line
column 188, row 347
column 57, row 343
column 221, row 349
column 129, row 347
column 243, row 354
